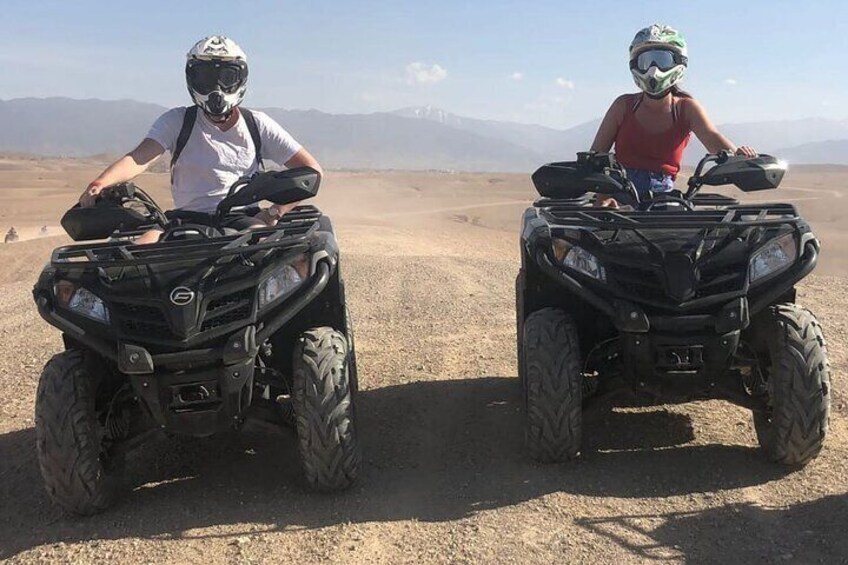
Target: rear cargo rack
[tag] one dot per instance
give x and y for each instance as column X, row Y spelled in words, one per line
column 293, row 229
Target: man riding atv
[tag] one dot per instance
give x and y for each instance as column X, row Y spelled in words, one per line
column 225, row 318
column 212, row 148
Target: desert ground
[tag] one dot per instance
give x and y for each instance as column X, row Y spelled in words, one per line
column 430, row 260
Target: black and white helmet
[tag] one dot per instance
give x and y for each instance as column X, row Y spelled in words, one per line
column 216, row 75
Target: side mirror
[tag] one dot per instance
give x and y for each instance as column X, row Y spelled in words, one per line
column 279, row 187
column 101, row 221
column 763, row 172
column 567, row 179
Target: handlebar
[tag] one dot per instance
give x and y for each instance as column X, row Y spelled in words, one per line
column 607, row 164
column 121, row 193
column 694, row 184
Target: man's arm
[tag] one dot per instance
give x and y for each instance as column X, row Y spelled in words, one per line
column 302, row 158
column 124, row 169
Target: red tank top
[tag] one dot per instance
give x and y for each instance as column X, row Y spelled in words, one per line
column 662, row 152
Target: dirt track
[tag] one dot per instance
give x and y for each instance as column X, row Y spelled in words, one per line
column 445, row 478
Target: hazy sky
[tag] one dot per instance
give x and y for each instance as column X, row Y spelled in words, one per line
column 555, row 63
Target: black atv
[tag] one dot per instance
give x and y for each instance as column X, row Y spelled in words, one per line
column 208, row 330
column 667, row 299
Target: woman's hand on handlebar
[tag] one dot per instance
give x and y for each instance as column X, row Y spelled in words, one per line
column 90, row 194
column 746, row 150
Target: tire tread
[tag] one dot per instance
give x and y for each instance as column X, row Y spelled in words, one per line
column 324, row 410
column 553, row 381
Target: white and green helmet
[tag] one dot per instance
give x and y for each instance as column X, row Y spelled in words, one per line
column 658, row 59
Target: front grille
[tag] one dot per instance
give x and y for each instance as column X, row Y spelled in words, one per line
column 722, row 280
column 147, row 323
column 649, row 285
column 142, row 320
column 228, row 309
column 642, row 283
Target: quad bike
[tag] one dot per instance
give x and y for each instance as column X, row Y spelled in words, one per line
column 11, row 236
column 208, row 330
column 668, row 299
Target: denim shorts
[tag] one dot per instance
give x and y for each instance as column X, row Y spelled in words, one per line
column 650, row 181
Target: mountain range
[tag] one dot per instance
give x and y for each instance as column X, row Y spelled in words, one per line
column 410, row 138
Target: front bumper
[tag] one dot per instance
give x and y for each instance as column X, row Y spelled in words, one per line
column 242, row 345
column 675, row 355
column 734, row 312
column 196, row 392
column 197, row 403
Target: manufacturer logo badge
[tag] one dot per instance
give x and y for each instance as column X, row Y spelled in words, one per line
column 182, row 296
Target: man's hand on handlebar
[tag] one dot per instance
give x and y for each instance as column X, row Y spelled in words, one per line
column 273, row 213
column 90, row 194
column 605, row 202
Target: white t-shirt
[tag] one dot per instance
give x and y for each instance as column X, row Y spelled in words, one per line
column 212, row 160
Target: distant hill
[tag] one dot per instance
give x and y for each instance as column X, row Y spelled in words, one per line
column 411, row 138
column 833, row 152
column 388, row 141
column 775, row 137
column 548, row 142
column 63, row 126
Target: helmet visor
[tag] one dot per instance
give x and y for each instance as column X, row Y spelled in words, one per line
column 663, row 59
column 207, row 76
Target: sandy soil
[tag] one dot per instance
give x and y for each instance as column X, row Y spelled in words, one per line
column 430, row 261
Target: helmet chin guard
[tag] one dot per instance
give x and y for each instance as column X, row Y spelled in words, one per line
column 218, row 104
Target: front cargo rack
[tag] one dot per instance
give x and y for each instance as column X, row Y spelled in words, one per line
column 294, row 228
column 743, row 215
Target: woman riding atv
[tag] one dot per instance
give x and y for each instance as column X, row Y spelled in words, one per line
column 652, row 128
column 211, row 148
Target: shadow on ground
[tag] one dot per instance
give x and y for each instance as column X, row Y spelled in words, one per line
column 434, row 451
column 811, row 532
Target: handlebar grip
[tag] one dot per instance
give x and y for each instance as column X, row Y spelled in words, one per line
column 118, row 192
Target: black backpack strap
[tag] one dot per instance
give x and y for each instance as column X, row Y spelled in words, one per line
column 250, row 121
column 185, row 132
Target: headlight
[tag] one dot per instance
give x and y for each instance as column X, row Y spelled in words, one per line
column 81, row 301
column 774, row 257
column 579, row 259
column 283, row 281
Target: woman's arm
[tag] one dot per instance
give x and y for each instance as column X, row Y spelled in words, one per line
column 707, row 133
column 605, row 138
column 126, row 168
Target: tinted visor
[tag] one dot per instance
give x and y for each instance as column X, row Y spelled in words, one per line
column 207, row 76
column 663, row 59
